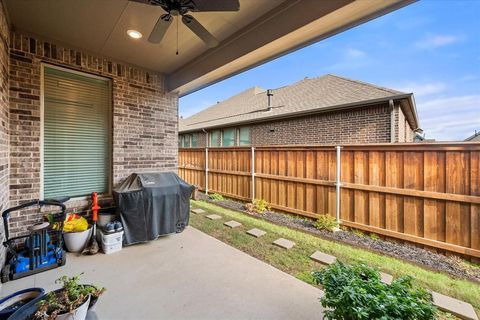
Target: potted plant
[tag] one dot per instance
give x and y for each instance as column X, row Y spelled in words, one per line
column 71, row 302
column 76, row 233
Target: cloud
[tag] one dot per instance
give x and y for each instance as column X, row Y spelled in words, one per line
column 450, row 118
column 350, row 59
column 355, row 53
column 423, row 89
column 433, row 41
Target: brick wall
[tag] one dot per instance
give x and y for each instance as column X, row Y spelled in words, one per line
column 144, row 117
column 202, row 139
column 4, row 40
column 403, row 130
column 364, row 125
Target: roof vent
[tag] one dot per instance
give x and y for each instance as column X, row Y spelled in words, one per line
column 269, row 99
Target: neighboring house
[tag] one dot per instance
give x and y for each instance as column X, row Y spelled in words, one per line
column 475, row 137
column 325, row 110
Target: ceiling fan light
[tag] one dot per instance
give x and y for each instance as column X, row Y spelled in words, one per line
column 134, row 34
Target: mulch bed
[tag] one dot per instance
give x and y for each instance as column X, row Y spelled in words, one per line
column 403, row 251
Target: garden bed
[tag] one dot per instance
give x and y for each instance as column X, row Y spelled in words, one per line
column 450, row 265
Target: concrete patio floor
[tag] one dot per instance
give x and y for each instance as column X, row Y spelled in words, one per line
column 186, row 276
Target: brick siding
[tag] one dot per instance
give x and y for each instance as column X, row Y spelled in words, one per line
column 4, row 41
column 403, row 130
column 144, row 117
column 363, row 125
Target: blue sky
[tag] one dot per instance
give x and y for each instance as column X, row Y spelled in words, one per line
column 430, row 48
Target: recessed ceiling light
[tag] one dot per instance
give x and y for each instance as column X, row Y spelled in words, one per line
column 134, row 34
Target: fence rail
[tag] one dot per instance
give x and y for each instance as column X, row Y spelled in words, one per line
column 427, row 194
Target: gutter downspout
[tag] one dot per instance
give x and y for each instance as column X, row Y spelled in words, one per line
column 393, row 132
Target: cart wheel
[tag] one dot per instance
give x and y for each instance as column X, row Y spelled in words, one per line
column 64, row 258
column 5, row 275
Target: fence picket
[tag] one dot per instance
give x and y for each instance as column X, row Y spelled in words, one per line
column 427, row 194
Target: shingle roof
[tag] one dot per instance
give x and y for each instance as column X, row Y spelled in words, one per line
column 308, row 95
column 475, row 137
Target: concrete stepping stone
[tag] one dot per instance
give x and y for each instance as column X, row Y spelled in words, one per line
column 257, row 233
column 324, row 258
column 284, row 243
column 198, row 211
column 213, row 217
column 456, row 307
column 232, row 224
column 386, row 278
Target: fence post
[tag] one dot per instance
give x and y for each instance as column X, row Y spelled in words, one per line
column 206, row 170
column 253, row 173
column 338, row 184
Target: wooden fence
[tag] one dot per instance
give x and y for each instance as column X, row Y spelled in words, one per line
column 427, row 194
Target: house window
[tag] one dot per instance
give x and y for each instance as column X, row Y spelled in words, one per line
column 244, row 136
column 186, row 141
column 180, row 141
column 228, row 137
column 76, row 133
column 194, row 140
column 214, row 138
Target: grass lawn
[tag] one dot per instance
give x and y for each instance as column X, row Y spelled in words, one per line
column 296, row 261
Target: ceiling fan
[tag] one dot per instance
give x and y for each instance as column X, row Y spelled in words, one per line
column 177, row 8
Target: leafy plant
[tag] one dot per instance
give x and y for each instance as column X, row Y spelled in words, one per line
column 374, row 236
column 358, row 233
column 216, row 197
column 72, row 296
column 257, row 206
column 326, row 222
column 356, row 292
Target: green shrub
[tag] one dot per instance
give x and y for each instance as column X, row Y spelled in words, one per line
column 358, row 232
column 216, row 197
column 326, row 222
column 356, row 292
column 374, row 236
column 257, row 206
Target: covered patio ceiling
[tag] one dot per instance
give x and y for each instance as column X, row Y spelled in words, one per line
column 260, row 31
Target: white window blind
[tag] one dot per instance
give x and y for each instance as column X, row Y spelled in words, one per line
column 76, row 134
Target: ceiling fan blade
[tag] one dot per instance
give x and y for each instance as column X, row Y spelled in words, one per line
column 216, row 5
column 200, row 31
column 160, row 28
column 151, row 2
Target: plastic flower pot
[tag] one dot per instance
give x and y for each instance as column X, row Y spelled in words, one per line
column 93, row 299
column 29, row 309
column 78, row 314
column 77, row 241
column 16, row 300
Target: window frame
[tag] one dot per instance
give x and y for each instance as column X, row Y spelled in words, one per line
column 233, row 139
column 239, row 137
column 219, row 137
column 186, row 142
column 194, row 137
column 109, row 125
column 180, row 141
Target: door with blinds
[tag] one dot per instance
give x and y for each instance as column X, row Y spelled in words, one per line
column 76, row 134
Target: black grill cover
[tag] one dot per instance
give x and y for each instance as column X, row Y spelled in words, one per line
column 152, row 205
